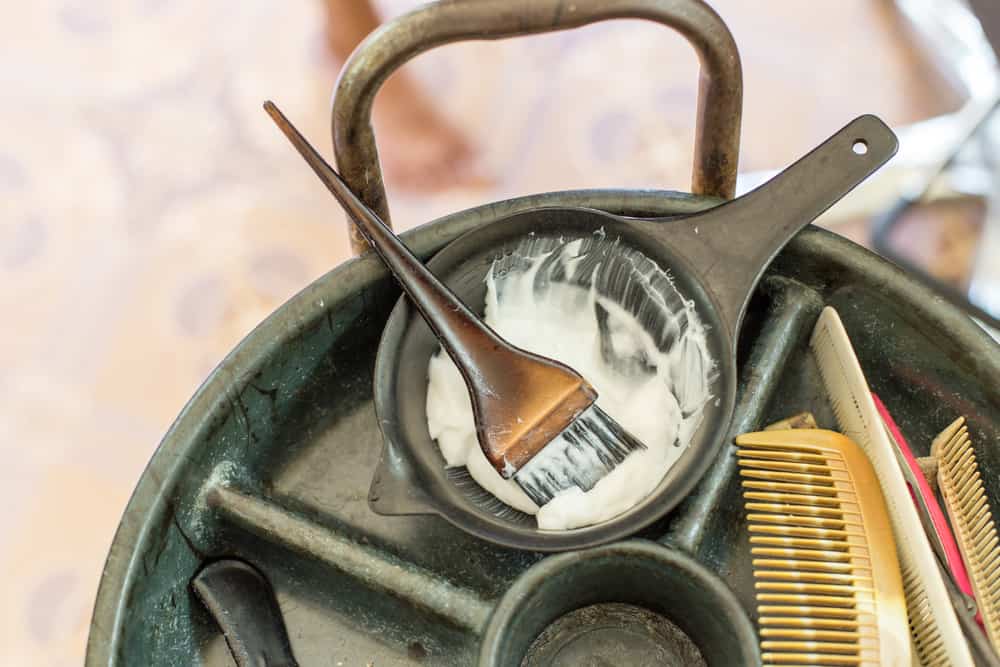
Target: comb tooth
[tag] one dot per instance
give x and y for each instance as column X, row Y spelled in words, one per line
column 811, row 634
column 990, row 555
column 964, row 475
column 810, row 646
column 971, row 497
column 930, row 644
column 980, row 506
column 780, row 449
column 813, row 457
column 794, row 659
column 991, row 570
column 963, row 463
column 809, row 588
column 967, row 490
column 958, row 439
column 768, row 496
column 747, row 443
column 987, row 546
column 966, row 487
column 808, row 599
column 803, row 521
column 805, row 543
column 986, row 532
column 831, row 557
column 807, row 489
column 792, row 477
column 802, row 565
column 810, row 622
column 788, row 508
column 811, row 612
column 951, row 445
column 803, row 468
column 784, row 476
column 960, row 454
column 982, row 523
column 781, row 455
column 791, row 575
column 796, row 531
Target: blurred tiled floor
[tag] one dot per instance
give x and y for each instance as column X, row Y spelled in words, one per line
column 151, row 215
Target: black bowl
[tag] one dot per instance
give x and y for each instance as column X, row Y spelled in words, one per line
column 401, row 387
column 631, row 603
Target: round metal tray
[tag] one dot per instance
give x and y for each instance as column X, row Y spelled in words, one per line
column 272, row 459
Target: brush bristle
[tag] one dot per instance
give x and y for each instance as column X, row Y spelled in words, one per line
column 975, row 530
column 483, row 499
column 583, row 454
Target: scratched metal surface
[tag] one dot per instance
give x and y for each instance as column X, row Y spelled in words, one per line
column 272, row 458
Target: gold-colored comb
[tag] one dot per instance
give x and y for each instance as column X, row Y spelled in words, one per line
column 971, row 518
column 829, row 589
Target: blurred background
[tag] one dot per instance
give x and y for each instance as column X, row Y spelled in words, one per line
column 152, row 215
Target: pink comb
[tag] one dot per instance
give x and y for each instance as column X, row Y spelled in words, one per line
column 939, row 531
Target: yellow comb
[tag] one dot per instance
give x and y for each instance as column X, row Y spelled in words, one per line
column 829, row 588
column 971, row 519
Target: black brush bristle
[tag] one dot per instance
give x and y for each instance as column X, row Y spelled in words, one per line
column 483, row 499
column 583, row 454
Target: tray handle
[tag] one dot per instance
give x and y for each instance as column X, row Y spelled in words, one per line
column 720, row 90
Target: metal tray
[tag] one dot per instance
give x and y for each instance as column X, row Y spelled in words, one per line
column 272, row 459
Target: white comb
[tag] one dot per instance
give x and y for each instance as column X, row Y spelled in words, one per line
column 934, row 628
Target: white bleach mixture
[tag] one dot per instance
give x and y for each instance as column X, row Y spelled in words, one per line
column 645, row 353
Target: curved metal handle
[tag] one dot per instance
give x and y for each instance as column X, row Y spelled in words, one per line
column 720, row 90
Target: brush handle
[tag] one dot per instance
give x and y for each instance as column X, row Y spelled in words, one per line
column 460, row 331
column 520, row 401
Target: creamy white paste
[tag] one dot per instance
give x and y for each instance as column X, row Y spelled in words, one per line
column 654, row 375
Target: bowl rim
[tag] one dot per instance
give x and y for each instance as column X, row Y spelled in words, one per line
column 678, row 482
column 523, row 592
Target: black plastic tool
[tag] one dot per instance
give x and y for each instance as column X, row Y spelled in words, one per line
column 242, row 602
